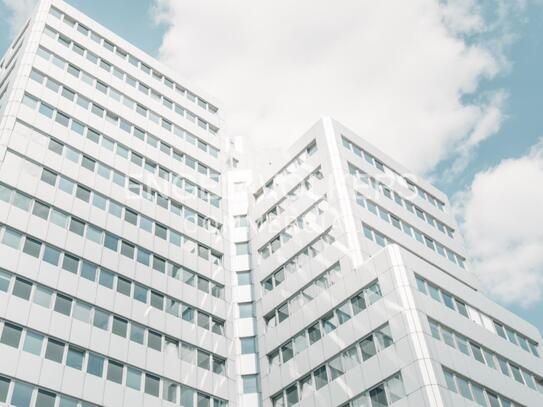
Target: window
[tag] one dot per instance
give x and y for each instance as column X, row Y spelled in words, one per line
column 154, row 341
column 250, row 384
column 101, row 319
column 115, row 372
column 106, row 279
column 246, row 310
column 292, row 395
column 32, row 247
column 63, row 305
column 12, row 238
column 133, row 378
column 4, row 387
column 70, row 263
column 368, row 347
column 314, row 333
column 82, row 312
column 51, row 255
column 120, row 326
column 140, row 293
column 244, row 278
column 45, row 399
column 40, row 210
column 75, row 358
column 242, row 248
column 124, row 286
column 378, row 397
column 248, row 345
column 336, row 367
column 321, row 377
column 33, row 343
column 22, row 288
column 137, row 333
column 203, row 359
column 95, row 365
column 4, row 281
column 54, row 350
column 152, row 384
column 22, row 394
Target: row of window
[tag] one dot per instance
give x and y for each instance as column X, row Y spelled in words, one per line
column 349, row 145
column 335, row 367
column 180, row 132
column 304, row 296
column 326, row 324
column 307, row 219
column 110, row 68
column 132, row 60
column 159, row 264
column 176, row 208
column 119, row 178
column 144, row 257
column 101, row 319
column 476, row 316
column 404, row 203
column 381, row 395
column 12, row 238
column 278, row 179
column 83, row 360
column 475, row 392
column 299, row 190
column 406, row 228
column 100, row 236
column 299, row 260
column 20, row 394
column 484, row 355
column 112, row 242
column 136, row 158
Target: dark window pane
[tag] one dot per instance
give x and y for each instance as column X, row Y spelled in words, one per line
column 95, row 365
column 124, row 286
column 45, row 399
column 63, row 305
column 120, row 326
column 54, row 351
column 152, row 384
column 154, row 341
column 11, row 335
column 75, row 358
column 22, row 288
column 115, row 372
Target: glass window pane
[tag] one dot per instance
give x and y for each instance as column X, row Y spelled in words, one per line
column 101, row 319
column 45, row 399
column 54, row 350
column 33, row 343
column 4, row 387
column 250, row 384
column 115, row 372
column 133, row 378
column 95, row 365
column 22, row 288
column 22, row 394
column 75, row 358
column 321, row 377
column 11, row 335
column 82, row 312
column 152, row 384
column 63, row 305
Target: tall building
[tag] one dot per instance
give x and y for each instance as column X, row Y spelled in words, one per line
column 140, row 267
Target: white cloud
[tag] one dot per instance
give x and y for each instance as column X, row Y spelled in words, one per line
column 502, row 224
column 397, row 73
column 19, row 11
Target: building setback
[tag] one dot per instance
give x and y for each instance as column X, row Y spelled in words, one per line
column 140, row 267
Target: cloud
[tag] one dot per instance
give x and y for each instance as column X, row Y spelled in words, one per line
column 502, row 224
column 397, row 73
column 19, row 11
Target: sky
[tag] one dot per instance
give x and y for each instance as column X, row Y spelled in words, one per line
column 451, row 89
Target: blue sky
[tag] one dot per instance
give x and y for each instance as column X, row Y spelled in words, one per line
column 210, row 45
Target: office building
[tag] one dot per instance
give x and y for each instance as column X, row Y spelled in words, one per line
column 140, row 267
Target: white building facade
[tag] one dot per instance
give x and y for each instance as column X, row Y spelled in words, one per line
column 139, row 268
